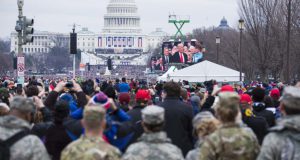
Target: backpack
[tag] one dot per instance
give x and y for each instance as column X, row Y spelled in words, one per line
column 6, row 144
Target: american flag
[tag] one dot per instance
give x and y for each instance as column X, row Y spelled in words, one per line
column 99, row 41
column 140, row 42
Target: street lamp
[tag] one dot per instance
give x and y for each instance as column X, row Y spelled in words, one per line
column 241, row 28
column 218, row 41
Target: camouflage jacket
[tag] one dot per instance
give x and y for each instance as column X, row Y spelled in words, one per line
column 29, row 147
column 230, row 141
column 283, row 143
column 195, row 153
column 153, row 146
column 90, row 148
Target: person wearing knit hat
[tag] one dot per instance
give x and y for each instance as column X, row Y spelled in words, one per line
column 154, row 143
column 258, row 124
column 283, row 140
column 204, row 123
column 231, row 133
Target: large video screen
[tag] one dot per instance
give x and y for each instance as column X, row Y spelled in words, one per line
column 179, row 54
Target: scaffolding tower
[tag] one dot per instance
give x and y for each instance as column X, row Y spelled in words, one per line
column 179, row 21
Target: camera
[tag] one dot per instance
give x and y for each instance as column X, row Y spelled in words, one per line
column 69, row 85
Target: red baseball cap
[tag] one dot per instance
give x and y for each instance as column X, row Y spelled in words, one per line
column 227, row 88
column 142, row 95
column 275, row 93
column 245, row 98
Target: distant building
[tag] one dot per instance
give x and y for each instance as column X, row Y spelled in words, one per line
column 223, row 24
column 86, row 40
column 42, row 42
column 121, row 37
column 156, row 37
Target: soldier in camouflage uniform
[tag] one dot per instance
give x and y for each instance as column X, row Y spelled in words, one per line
column 91, row 145
column 29, row 147
column 231, row 140
column 284, row 140
column 154, row 143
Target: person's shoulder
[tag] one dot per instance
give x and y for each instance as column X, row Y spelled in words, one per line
column 111, row 150
column 74, row 145
column 137, row 146
column 31, row 141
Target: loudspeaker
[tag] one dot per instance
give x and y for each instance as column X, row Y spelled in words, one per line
column 88, row 66
column 73, row 43
column 109, row 64
column 15, row 62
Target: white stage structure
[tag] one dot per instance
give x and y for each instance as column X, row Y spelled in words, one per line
column 203, row 71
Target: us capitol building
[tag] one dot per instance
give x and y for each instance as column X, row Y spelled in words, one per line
column 121, row 38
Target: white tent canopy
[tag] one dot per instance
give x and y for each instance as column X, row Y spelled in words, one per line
column 205, row 71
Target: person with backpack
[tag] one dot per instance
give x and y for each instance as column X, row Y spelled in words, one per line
column 15, row 141
column 283, row 141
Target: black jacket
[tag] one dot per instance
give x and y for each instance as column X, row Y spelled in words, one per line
column 56, row 139
column 178, row 123
column 176, row 58
column 260, row 110
column 208, row 104
column 136, row 118
column 258, row 124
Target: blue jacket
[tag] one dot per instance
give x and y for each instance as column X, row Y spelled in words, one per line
column 118, row 131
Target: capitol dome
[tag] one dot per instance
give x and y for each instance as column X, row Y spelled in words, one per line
column 223, row 23
column 122, row 17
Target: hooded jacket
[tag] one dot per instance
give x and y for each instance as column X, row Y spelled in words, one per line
column 29, row 147
column 283, row 142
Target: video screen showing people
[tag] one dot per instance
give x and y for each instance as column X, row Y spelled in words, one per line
column 180, row 54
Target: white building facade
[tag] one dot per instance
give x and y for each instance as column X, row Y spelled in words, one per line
column 42, row 43
column 120, row 38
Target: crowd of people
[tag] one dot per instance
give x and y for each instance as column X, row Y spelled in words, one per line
column 131, row 120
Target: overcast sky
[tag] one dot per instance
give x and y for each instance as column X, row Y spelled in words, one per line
column 58, row 15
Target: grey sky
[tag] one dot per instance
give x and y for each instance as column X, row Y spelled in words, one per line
column 58, row 15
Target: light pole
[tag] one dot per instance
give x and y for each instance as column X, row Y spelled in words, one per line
column 218, row 41
column 241, row 27
column 18, row 28
column 25, row 31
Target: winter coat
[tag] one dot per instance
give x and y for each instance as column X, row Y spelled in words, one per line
column 260, row 110
column 56, row 140
column 29, row 147
column 229, row 142
column 154, row 146
column 40, row 129
column 207, row 106
column 283, row 141
column 178, row 123
column 258, row 124
column 136, row 118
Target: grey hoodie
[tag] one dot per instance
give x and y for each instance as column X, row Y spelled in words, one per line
column 283, row 143
column 29, row 147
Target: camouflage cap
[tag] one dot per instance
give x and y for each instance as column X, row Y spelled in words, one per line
column 153, row 115
column 22, row 104
column 229, row 99
column 291, row 97
column 93, row 113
